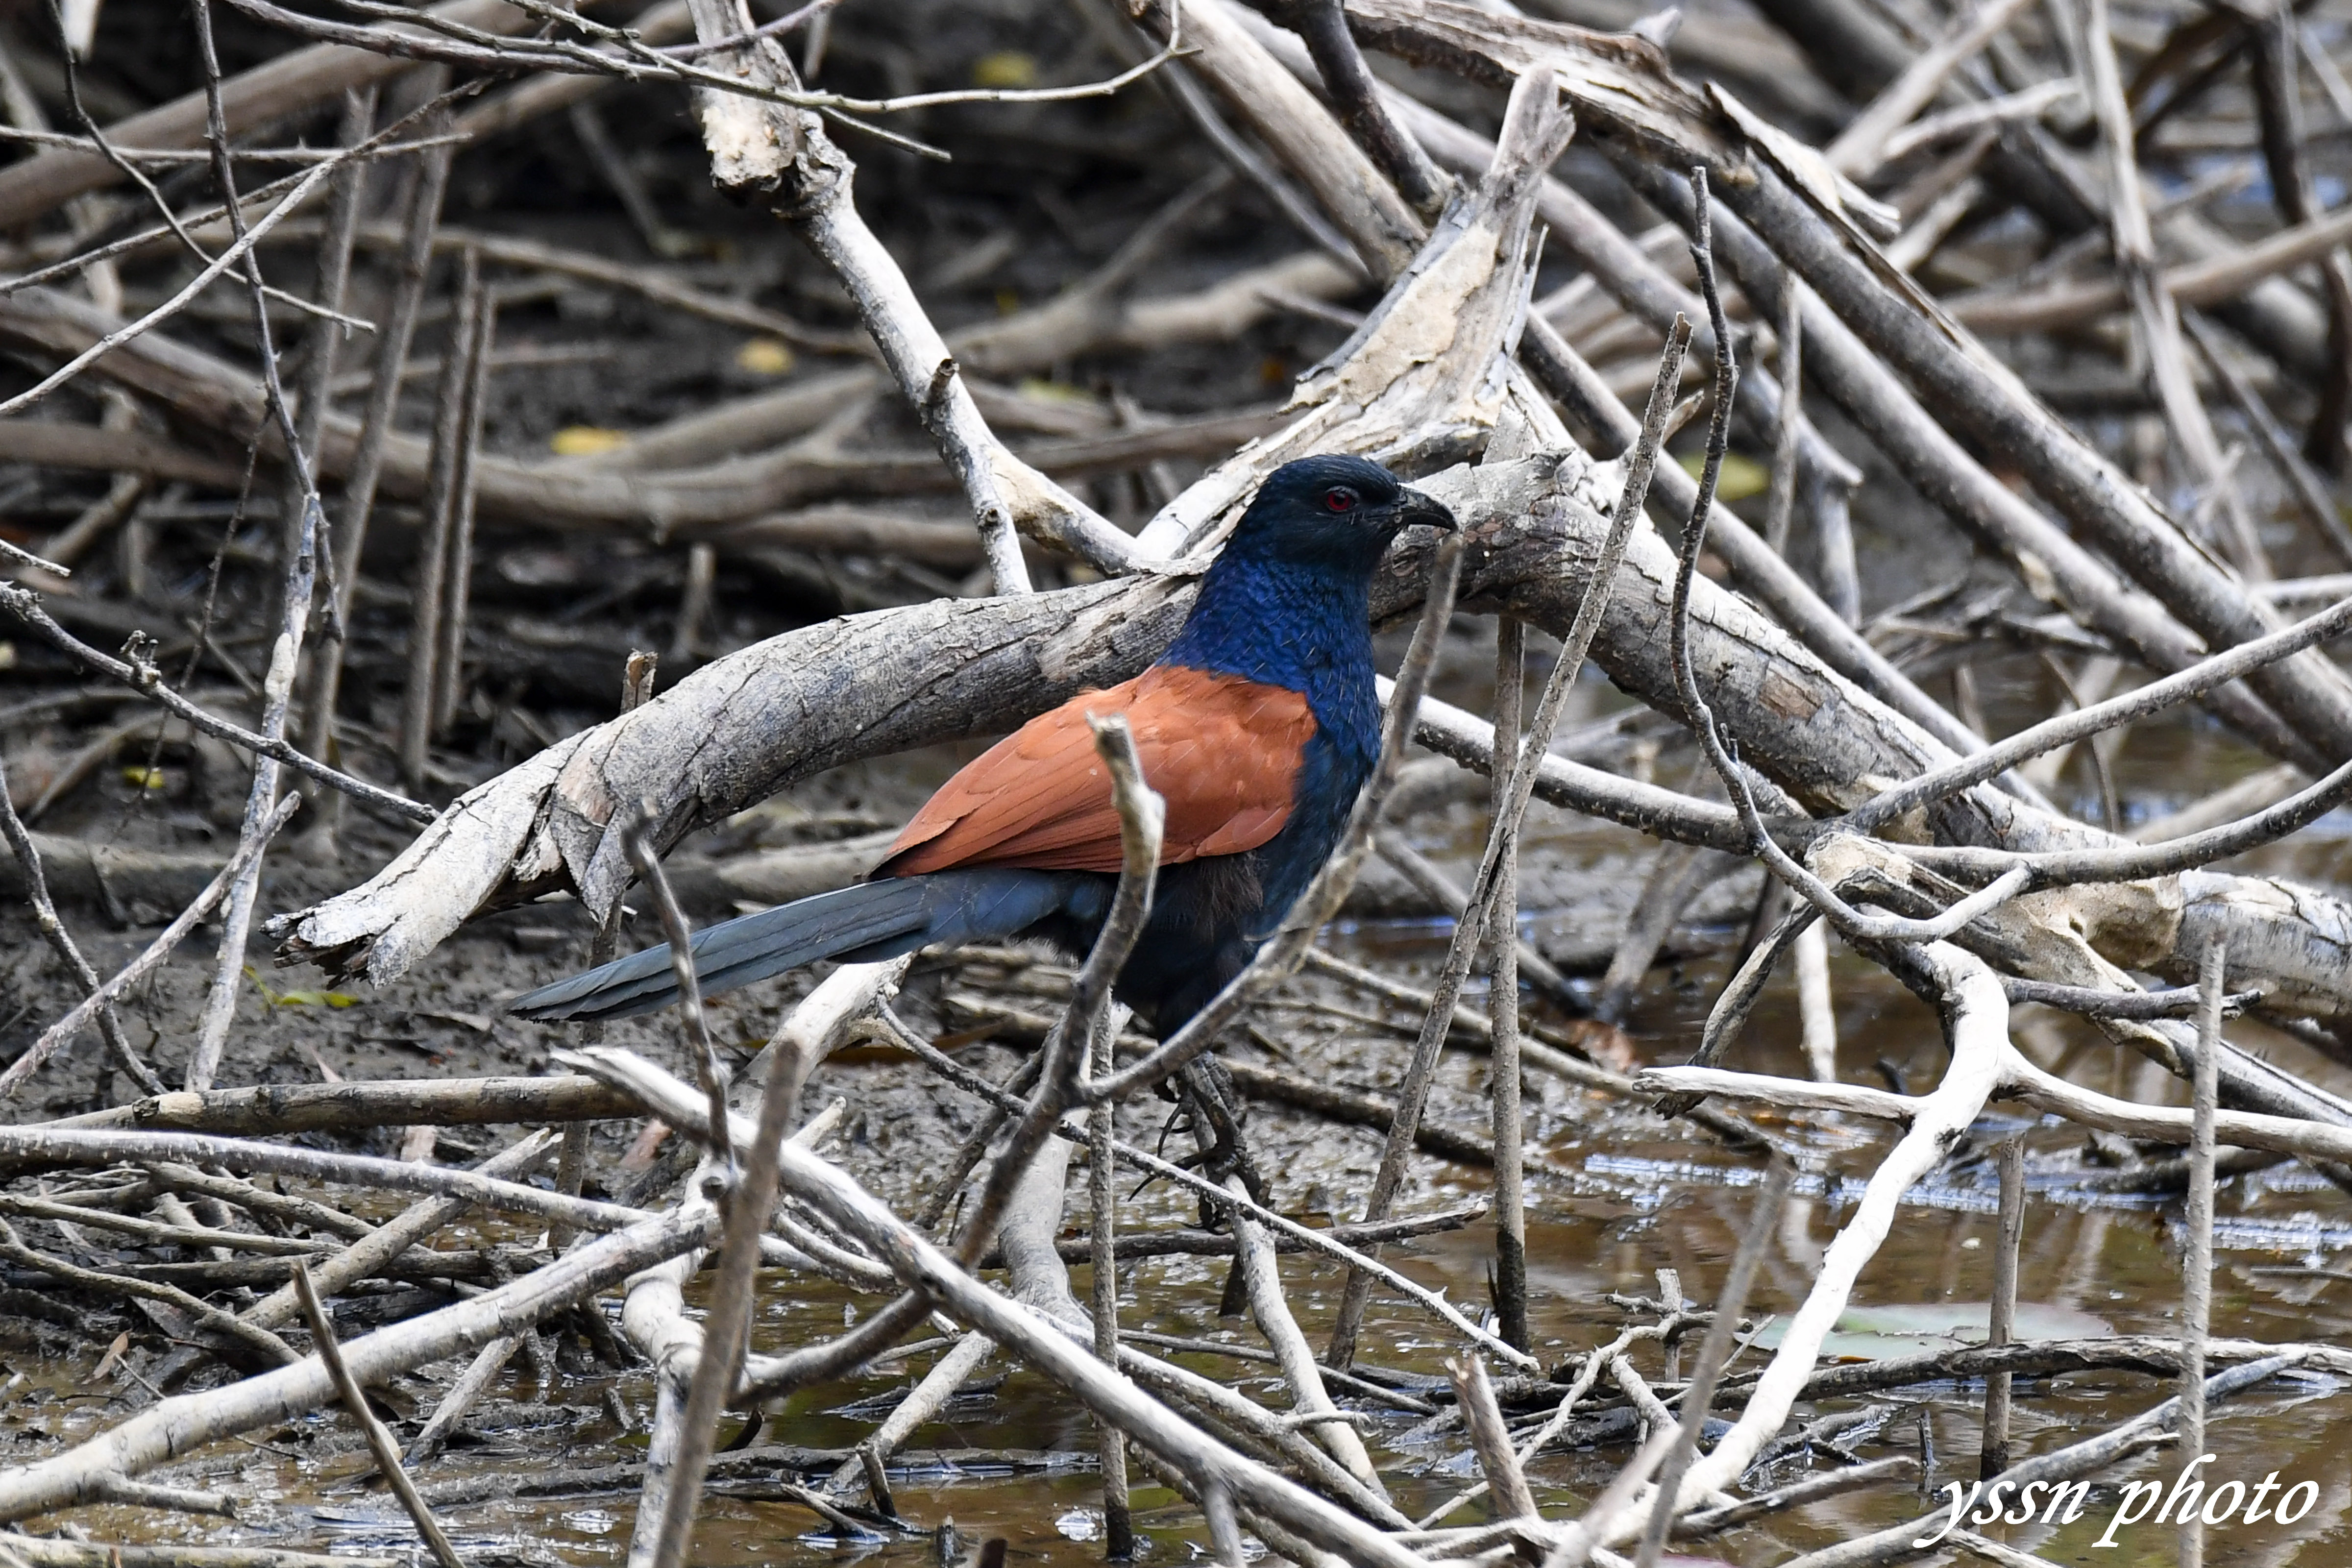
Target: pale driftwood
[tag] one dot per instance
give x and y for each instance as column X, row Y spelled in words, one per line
column 1976, row 1017
column 176, row 1426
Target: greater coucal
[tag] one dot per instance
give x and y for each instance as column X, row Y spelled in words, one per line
column 1259, row 726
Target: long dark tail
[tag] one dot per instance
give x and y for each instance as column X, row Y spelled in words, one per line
column 860, row 924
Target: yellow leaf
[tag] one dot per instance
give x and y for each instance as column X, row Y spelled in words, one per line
column 586, row 441
column 317, row 999
column 1741, row 477
column 1004, row 69
column 1044, row 391
column 143, row 778
column 7, row 655
column 268, row 996
column 764, row 356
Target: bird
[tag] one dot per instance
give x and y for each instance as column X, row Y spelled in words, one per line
column 1258, row 727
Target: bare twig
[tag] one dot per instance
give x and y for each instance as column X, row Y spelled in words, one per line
column 380, row 1439
column 100, row 1001
column 2001, row 1322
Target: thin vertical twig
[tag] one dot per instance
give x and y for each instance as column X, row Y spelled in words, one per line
column 2155, row 313
column 693, row 1021
column 394, row 334
column 442, row 502
column 1142, row 822
column 380, row 1440
column 694, row 602
column 315, row 389
column 746, row 1202
column 1780, row 504
column 1503, row 1010
column 1102, row 1194
column 1816, row 1005
column 1714, row 1351
column 2197, row 1285
column 457, row 582
column 2003, row 1326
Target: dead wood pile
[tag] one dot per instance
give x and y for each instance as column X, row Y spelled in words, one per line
column 274, row 426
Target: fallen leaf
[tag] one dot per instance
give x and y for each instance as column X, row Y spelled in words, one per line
column 586, row 441
column 1004, row 69
column 763, row 356
column 1741, row 477
column 317, row 999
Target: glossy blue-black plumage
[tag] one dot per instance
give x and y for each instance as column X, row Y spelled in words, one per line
column 1286, row 605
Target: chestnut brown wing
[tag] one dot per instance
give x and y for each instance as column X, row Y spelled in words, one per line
column 1224, row 751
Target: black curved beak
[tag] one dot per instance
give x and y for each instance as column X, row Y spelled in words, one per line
column 1415, row 508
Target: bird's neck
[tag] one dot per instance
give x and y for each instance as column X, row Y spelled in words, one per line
column 1299, row 625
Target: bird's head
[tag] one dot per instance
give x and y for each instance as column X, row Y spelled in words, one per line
column 1332, row 510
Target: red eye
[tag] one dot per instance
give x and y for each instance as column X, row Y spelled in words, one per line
column 1340, row 497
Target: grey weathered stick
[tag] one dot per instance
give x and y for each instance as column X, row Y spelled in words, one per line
column 693, row 1022
column 1502, row 1009
column 1102, row 1196
column 1356, row 97
column 172, row 1428
column 786, row 157
column 1714, row 1352
column 1490, row 1437
column 325, row 335
column 2097, row 718
column 2001, row 1327
column 142, row 677
column 457, row 590
column 1781, row 505
column 1939, row 466
column 379, row 1436
column 746, row 1203
column 2080, row 482
column 2155, row 313
column 257, row 1339
column 2197, row 1261
column 1254, row 1255
column 462, row 1397
column 412, row 267
column 2308, row 488
column 389, row 1240
column 430, row 595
